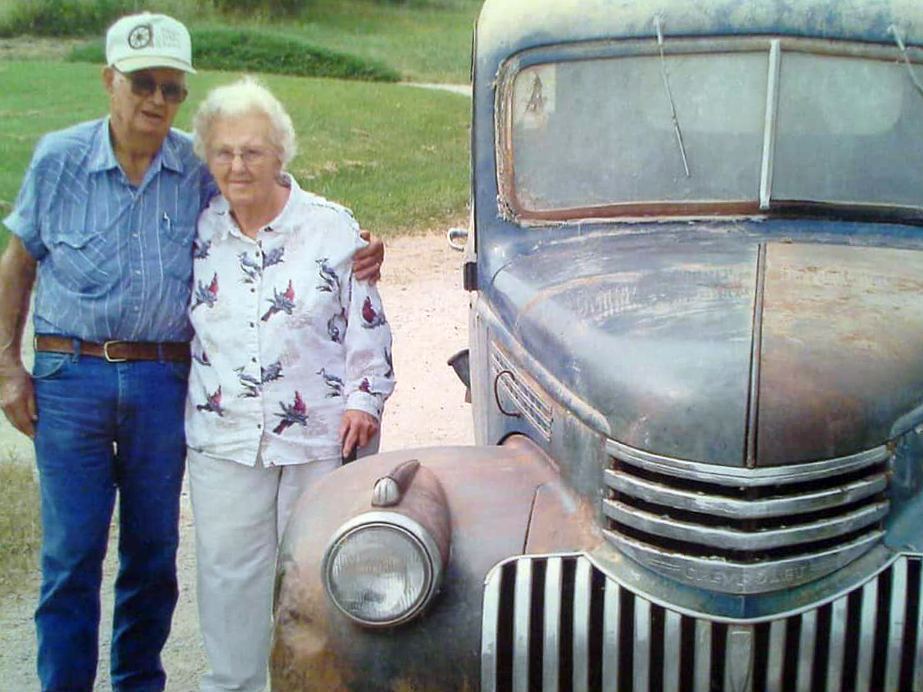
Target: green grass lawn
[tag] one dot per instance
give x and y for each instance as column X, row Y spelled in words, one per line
column 396, row 155
column 428, row 41
column 426, row 44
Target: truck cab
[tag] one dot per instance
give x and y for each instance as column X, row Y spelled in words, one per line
column 695, row 271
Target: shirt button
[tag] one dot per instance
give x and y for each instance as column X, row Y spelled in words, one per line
column 253, row 360
column 252, row 325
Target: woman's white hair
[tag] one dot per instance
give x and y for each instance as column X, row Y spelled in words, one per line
column 243, row 97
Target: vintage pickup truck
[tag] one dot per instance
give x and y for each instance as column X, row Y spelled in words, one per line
column 696, row 372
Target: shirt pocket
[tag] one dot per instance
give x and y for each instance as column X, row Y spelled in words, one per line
column 82, row 260
column 176, row 247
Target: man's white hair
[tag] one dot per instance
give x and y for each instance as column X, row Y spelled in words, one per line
column 243, row 97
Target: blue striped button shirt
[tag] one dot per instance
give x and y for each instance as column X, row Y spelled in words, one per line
column 114, row 259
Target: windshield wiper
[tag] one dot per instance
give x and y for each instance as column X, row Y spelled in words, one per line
column 666, row 84
column 900, row 44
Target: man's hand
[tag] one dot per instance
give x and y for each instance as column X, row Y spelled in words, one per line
column 17, row 275
column 367, row 261
column 356, row 428
column 17, row 399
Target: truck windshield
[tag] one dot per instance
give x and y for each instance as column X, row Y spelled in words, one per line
column 615, row 135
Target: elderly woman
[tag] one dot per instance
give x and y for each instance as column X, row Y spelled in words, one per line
column 291, row 367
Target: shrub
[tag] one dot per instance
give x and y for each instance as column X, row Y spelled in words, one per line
column 63, row 17
column 254, row 51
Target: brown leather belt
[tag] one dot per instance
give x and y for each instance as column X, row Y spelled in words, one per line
column 115, row 351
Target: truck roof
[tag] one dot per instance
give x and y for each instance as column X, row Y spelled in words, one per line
column 508, row 26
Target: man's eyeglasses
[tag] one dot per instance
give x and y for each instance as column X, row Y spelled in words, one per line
column 250, row 156
column 144, row 84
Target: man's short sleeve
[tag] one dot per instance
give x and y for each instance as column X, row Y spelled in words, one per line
column 25, row 219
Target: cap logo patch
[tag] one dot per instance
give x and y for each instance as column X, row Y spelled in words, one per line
column 141, row 36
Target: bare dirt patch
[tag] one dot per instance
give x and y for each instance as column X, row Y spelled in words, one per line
column 424, row 300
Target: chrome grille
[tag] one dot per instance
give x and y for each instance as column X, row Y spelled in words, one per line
column 559, row 623
column 741, row 530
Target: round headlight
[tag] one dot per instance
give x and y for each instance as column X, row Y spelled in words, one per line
column 381, row 569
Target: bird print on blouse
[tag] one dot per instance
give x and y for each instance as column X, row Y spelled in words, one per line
column 371, row 317
column 200, row 249
column 271, row 372
column 390, row 372
column 336, row 326
column 274, row 256
column 250, row 267
column 212, row 403
column 334, row 383
column 250, row 386
column 293, row 413
column 330, row 282
column 281, row 302
column 206, row 295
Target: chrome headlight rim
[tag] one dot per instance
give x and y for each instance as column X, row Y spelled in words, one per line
column 412, row 530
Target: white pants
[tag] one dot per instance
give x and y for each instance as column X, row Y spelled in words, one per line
column 240, row 512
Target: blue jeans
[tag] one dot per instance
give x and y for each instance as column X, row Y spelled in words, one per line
column 106, row 427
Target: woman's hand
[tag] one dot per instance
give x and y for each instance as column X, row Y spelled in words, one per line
column 367, row 261
column 356, row 429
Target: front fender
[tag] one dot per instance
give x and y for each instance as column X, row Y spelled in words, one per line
column 502, row 501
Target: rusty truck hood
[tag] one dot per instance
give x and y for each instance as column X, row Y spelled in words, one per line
column 727, row 348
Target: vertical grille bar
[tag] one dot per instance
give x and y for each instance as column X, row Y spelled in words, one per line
column 837, row 646
column 551, row 646
column 522, row 625
column 918, row 659
column 611, row 636
column 558, row 624
column 702, row 656
column 775, row 668
column 489, row 636
column 583, row 591
column 896, row 625
column 806, row 650
column 738, row 666
column 671, row 651
column 867, row 620
column 642, row 658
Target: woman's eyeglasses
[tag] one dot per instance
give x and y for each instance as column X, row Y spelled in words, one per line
column 144, row 84
column 249, row 157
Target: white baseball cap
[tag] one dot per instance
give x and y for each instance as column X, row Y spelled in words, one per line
column 145, row 40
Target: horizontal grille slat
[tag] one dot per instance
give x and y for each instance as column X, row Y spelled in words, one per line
column 647, row 647
column 738, row 477
column 743, row 509
column 729, row 576
column 732, row 539
column 667, row 511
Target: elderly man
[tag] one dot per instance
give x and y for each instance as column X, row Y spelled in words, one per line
column 104, row 226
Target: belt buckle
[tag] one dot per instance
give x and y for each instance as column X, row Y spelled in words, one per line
column 110, row 359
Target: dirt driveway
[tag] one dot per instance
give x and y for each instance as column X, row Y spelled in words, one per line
column 421, row 288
